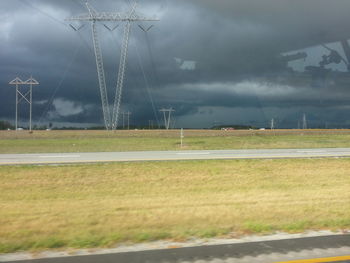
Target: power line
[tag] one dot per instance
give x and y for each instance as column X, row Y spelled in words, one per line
column 64, row 75
column 128, row 2
column 42, row 12
column 68, row 65
column 57, row 20
column 78, row 3
column 147, row 85
column 153, row 64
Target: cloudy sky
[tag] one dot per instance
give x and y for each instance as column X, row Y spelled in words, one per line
column 215, row 62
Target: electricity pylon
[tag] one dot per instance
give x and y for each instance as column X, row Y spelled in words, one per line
column 127, row 114
column 27, row 96
column 167, row 118
column 111, row 120
column 304, row 122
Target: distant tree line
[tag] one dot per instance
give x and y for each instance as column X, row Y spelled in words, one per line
column 5, row 125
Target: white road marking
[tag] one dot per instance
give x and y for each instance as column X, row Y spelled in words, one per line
column 312, row 151
column 60, row 156
column 205, row 153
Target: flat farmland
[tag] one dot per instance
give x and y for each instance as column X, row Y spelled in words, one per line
column 145, row 140
column 104, row 205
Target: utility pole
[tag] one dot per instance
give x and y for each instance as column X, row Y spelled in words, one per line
column 167, row 117
column 111, row 119
column 304, row 122
column 24, row 94
column 272, row 124
column 128, row 113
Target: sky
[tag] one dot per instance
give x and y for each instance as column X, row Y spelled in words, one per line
column 214, row 62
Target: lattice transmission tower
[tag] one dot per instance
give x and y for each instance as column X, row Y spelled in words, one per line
column 167, row 117
column 126, row 118
column 24, row 94
column 111, row 119
column 304, row 122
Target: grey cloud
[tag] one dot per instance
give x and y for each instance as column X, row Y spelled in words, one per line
column 231, row 41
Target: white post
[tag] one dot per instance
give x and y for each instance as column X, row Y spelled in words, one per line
column 16, row 107
column 30, row 105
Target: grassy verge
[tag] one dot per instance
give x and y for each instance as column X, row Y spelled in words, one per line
column 102, row 141
column 101, row 205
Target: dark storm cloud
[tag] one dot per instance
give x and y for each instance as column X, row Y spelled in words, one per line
column 234, row 45
column 312, row 20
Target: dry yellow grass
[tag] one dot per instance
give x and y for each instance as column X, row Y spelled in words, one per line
column 102, row 205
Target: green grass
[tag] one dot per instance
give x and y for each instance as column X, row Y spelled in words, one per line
column 84, row 206
column 101, row 141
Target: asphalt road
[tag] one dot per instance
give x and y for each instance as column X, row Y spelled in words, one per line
column 334, row 248
column 62, row 158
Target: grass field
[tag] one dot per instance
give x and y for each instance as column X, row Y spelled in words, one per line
column 81, row 206
column 102, row 141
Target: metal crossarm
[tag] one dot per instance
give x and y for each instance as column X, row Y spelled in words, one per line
column 107, row 16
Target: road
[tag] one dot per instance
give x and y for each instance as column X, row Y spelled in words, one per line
column 334, row 248
column 66, row 158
